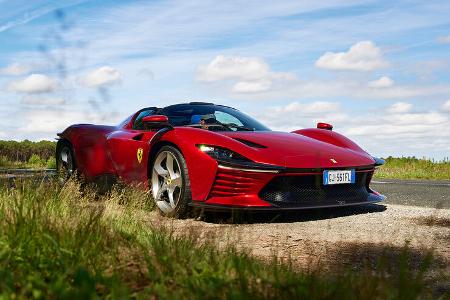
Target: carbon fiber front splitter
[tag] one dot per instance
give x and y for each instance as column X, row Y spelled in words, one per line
column 373, row 198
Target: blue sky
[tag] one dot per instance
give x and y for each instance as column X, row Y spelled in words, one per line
column 377, row 70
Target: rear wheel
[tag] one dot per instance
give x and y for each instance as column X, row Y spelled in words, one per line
column 65, row 162
column 170, row 182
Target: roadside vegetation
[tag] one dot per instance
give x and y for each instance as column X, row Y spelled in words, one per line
column 414, row 168
column 27, row 154
column 62, row 243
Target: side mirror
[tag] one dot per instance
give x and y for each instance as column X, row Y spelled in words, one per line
column 325, row 126
column 156, row 122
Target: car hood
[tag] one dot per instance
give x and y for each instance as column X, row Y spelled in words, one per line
column 293, row 150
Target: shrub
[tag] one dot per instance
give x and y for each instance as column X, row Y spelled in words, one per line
column 51, row 163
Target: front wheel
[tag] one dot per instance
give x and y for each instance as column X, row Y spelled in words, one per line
column 170, row 182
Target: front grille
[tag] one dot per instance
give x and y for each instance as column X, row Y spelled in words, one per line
column 308, row 190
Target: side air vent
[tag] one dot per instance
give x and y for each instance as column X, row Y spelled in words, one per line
column 138, row 137
column 250, row 144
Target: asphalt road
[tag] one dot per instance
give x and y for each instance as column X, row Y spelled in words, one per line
column 434, row 194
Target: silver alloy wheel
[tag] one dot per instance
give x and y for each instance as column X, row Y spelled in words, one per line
column 66, row 166
column 166, row 181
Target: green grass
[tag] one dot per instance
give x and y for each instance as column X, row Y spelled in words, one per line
column 35, row 162
column 63, row 244
column 414, row 168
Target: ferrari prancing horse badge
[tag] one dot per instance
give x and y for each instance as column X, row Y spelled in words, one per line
column 139, row 153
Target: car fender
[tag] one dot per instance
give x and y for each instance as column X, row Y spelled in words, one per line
column 202, row 168
column 89, row 147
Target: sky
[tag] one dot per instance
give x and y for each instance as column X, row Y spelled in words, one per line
column 378, row 71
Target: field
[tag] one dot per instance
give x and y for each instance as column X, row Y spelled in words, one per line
column 63, row 243
column 414, row 168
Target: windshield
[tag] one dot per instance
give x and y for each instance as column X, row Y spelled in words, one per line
column 211, row 117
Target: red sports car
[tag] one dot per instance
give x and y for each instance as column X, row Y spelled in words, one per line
column 213, row 156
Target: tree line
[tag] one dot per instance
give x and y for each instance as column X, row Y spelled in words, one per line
column 22, row 151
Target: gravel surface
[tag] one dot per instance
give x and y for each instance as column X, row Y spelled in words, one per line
column 331, row 236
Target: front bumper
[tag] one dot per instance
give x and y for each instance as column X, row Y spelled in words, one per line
column 286, row 189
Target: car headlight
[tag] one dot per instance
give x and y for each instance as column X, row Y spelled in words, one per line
column 222, row 154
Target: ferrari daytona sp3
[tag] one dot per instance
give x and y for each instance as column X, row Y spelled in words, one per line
column 212, row 156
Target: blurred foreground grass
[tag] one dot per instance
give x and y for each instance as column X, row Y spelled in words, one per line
column 414, row 168
column 62, row 243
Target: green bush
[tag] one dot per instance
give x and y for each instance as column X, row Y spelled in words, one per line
column 4, row 162
column 51, row 163
column 35, row 160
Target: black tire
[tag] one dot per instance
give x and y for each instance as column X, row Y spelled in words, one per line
column 183, row 193
column 65, row 168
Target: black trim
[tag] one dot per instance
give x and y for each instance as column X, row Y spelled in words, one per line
column 319, row 170
column 373, row 198
column 249, row 165
column 250, row 144
column 308, row 190
column 159, row 134
column 259, row 166
column 200, row 103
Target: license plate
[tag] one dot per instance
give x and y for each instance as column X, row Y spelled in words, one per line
column 338, row 177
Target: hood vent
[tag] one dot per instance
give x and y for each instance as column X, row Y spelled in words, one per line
column 250, row 144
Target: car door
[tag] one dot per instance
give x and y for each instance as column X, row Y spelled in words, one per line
column 129, row 150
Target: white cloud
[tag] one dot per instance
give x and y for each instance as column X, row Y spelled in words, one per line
column 446, row 106
column 399, row 108
column 34, row 84
column 32, row 100
column 49, row 122
column 343, row 87
column 396, row 134
column 15, row 69
column 296, row 115
column 444, row 39
column 429, row 118
column 256, row 86
column 362, row 56
column 233, row 67
column 253, row 75
column 309, row 108
column 382, row 82
column 102, row 76
column 400, row 127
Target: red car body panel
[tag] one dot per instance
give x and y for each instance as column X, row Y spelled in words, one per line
column 113, row 150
